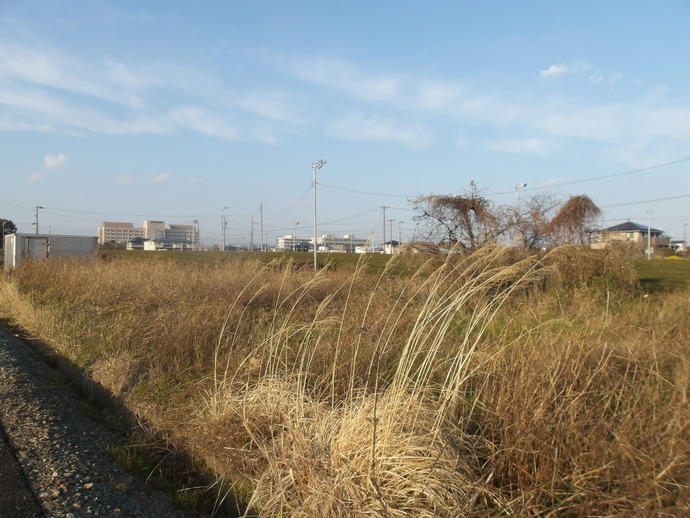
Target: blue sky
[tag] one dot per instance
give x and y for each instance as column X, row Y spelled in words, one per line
column 125, row 111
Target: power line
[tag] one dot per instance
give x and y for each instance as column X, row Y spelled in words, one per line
column 294, row 204
column 365, row 192
column 645, row 201
column 603, row 177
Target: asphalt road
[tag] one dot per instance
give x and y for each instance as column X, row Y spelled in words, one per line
column 16, row 499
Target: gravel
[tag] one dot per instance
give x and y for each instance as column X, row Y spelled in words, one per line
column 61, row 450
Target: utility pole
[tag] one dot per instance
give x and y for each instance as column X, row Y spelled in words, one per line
column 294, row 237
column 383, row 243
column 316, row 165
column 390, row 222
column 261, row 222
column 399, row 233
column 36, row 223
column 649, row 234
column 197, row 234
column 518, row 188
column 222, row 228
column 251, row 234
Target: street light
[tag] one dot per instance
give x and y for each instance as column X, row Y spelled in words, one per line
column 314, row 167
column 518, row 188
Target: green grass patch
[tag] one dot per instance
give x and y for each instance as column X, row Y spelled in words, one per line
column 163, row 474
column 663, row 274
column 374, row 262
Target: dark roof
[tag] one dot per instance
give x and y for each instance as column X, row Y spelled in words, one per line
column 629, row 226
column 171, row 240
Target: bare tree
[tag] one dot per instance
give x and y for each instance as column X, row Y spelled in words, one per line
column 529, row 221
column 467, row 220
column 575, row 222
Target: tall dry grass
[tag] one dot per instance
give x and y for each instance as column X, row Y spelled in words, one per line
column 480, row 385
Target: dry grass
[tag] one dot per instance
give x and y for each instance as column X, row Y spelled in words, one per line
column 482, row 385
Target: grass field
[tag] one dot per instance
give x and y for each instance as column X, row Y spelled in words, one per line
column 664, row 274
column 484, row 385
column 374, row 262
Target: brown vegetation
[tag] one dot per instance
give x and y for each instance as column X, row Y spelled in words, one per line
column 491, row 384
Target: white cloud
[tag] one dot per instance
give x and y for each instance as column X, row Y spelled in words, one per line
column 160, row 178
column 196, row 181
column 538, row 146
column 38, row 176
column 346, row 77
column 438, row 95
column 202, row 121
column 272, row 106
column 54, row 161
column 34, row 66
column 596, row 78
column 461, row 142
column 558, row 70
column 555, row 71
column 125, row 180
column 51, row 108
column 360, row 127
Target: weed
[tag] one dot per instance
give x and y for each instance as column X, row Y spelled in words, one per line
column 489, row 384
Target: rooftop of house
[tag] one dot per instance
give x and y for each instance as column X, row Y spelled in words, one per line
column 630, row 226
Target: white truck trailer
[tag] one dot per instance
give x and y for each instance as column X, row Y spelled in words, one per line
column 37, row 247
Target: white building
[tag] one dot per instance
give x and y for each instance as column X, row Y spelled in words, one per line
column 292, row 243
column 331, row 243
column 167, row 243
column 121, row 232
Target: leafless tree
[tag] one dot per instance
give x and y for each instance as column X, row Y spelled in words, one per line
column 529, row 221
column 575, row 222
column 466, row 220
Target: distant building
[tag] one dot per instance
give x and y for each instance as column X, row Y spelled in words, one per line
column 347, row 243
column 167, row 243
column 390, row 247
column 634, row 233
column 154, row 229
column 292, row 243
column 680, row 245
column 120, row 232
column 136, row 244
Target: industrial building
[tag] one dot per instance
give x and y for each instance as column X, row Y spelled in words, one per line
column 122, row 232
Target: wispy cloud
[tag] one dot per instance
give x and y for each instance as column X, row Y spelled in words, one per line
column 360, row 127
column 50, row 163
column 555, row 71
column 160, row 178
column 585, row 69
column 54, row 161
column 201, row 120
column 53, row 110
column 558, row 70
column 124, row 180
column 538, row 146
column 346, row 77
column 48, row 68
